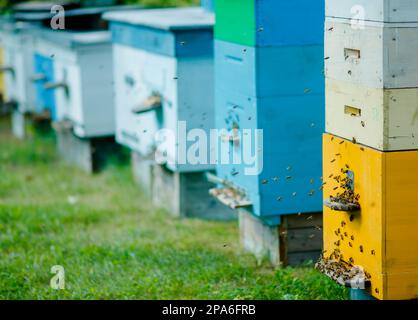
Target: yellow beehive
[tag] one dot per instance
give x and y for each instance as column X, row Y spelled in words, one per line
column 382, row 237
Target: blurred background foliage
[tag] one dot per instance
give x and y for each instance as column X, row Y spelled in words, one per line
column 4, row 4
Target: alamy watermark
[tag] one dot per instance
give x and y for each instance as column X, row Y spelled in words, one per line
column 195, row 146
column 58, row 17
column 57, row 282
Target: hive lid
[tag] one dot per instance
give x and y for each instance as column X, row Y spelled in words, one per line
column 166, row 19
column 42, row 6
column 71, row 39
column 70, row 11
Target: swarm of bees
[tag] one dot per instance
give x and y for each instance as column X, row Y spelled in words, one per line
column 340, row 271
column 347, row 200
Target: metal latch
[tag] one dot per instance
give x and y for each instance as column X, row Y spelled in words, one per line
column 153, row 102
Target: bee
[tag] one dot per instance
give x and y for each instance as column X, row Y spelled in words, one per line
column 361, row 249
column 312, row 181
column 352, row 238
column 341, row 142
column 333, row 160
column 350, row 244
column 354, row 140
column 331, row 175
column 363, row 124
column 373, row 252
column 279, row 198
column 309, row 218
column 264, row 181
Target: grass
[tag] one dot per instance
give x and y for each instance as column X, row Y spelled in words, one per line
column 114, row 245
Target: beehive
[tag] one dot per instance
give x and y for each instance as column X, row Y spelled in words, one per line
column 373, row 10
column 381, row 237
column 74, row 80
column 269, row 71
column 267, row 23
column 164, row 75
column 378, row 55
column 18, row 45
column 384, row 119
column 285, row 175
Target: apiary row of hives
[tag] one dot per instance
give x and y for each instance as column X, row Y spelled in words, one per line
column 370, row 150
column 158, row 81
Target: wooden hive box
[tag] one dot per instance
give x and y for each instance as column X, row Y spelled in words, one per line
column 164, row 76
column 266, row 23
column 18, row 41
column 384, row 119
column 373, row 10
column 378, row 55
column 381, row 237
column 284, row 174
column 269, row 71
column 75, row 75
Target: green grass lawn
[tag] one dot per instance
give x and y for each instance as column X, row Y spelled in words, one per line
column 114, row 245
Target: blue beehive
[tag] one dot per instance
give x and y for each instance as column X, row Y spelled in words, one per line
column 269, row 77
column 164, row 56
column 269, row 71
column 45, row 99
column 289, row 158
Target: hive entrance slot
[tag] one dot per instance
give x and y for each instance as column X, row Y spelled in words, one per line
column 352, row 111
column 351, row 53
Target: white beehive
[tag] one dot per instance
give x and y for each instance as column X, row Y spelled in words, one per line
column 386, row 120
column 18, row 42
column 83, row 79
column 163, row 62
column 378, row 56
